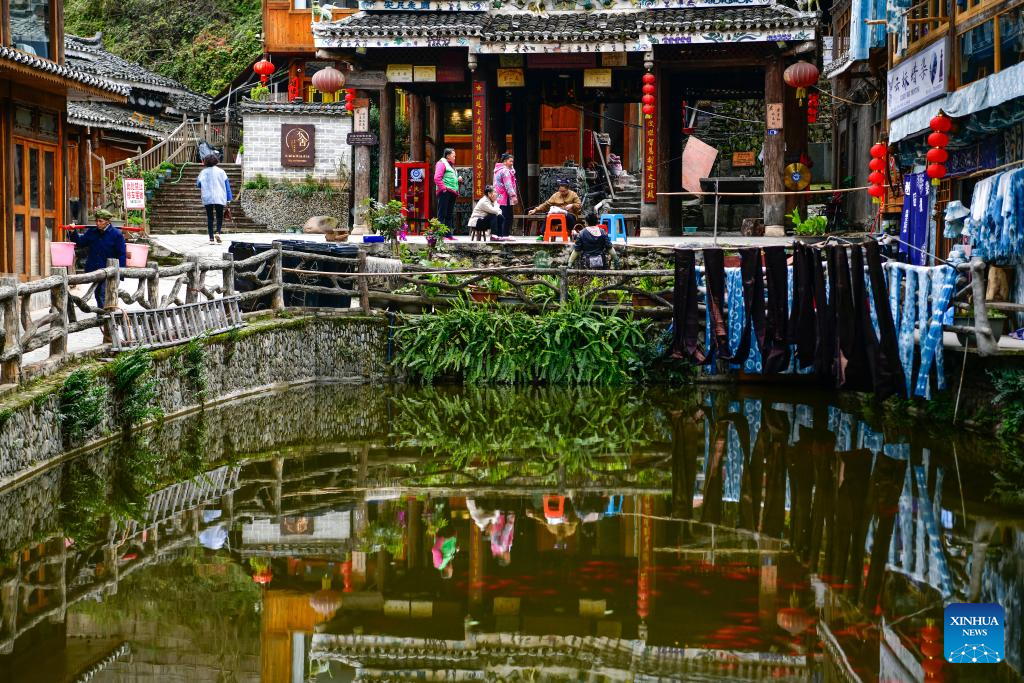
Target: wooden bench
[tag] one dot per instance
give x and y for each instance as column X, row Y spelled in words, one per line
column 155, row 328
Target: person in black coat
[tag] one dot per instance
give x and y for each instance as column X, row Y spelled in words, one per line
column 103, row 241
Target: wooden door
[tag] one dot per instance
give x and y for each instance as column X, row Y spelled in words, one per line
column 37, row 196
column 560, row 135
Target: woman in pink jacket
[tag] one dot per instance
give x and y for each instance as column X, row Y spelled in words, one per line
column 508, row 192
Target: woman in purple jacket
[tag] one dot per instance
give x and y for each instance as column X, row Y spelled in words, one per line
column 508, row 192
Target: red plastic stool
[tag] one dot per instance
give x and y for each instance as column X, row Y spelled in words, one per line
column 550, row 232
column 554, row 507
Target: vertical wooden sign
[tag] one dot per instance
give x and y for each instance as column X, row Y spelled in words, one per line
column 651, row 159
column 479, row 137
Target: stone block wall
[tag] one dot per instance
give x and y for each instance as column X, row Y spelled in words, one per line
column 262, row 140
column 265, row 354
column 279, row 210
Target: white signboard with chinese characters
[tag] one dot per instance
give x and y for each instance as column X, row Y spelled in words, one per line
column 361, row 119
column 917, row 79
column 134, row 193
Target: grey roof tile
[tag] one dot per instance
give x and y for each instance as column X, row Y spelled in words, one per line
column 63, row 71
column 370, row 24
column 316, row 108
column 114, row 117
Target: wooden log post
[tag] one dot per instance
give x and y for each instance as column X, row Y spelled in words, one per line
column 193, row 280
column 111, row 284
column 386, row 149
column 277, row 277
column 364, row 286
column 360, row 181
column 563, row 284
column 228, row 274
column 795, row 136
column 774, row 155
column 11, row 366
column 417, row 148
column 59, row 308
column 153, row 288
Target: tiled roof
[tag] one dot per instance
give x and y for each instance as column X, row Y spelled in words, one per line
column 89, row 55
column 250, row 107
column 561, row 26
column 21, row 61
column 372, row 24
column 113, row 117
column 725, row 19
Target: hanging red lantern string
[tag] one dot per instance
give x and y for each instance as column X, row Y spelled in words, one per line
column 813, row 102
column 937, row 155
column 350, row 98
column 265, row 69
column 648, row 98
column 876, row 179
column 801, row 76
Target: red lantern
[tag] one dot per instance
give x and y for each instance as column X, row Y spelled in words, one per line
column 328, row 80
column 876, row 164
column 648, row 79
column 349, row 106
column 876, row 191
column 265, row 68
column 941, row 124
column 350, row 96
column 647, row 99
column 876, row 178
column 932, row 666
column 878, row 150
column 801, row 76
column 936, row 172
column 648, row 109
column 938, row 139
column 937, row 155
column 930, row 648
column 648, row 89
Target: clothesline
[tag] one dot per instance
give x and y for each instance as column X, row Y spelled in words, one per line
column 984, row 171
column 759, row 194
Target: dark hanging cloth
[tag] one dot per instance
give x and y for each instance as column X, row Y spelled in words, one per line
column 775, row 352
column 824, row 348
column 685, row 322
column 865, row 349
column 850, row 363
column 887, row 370
column 802, row 321
column 718, row 334
column 753, row 302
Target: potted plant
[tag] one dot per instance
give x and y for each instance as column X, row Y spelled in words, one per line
column 996, row 320
column 649, row 284
column 435, row 233
column 386, row 220
column 489, row 291
column 810, row 229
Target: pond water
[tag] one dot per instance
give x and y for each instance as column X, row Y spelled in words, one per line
column 333, row 533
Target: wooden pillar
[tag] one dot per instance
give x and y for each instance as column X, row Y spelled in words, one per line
column 360, row 181
column 795, row 134
column 479, row 154
column 386, row 156
column 531, row 179
column 417, row 149
column 84, row 191
column 774, row 206
column 521, row 141
column 496, row 132
column 656, row 136
column 434, row 142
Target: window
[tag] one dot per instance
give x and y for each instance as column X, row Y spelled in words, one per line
column 300, row 4
column 458, row 117
column 924, row 19
column 841, row 37
column 32, row 28
column 977, row 53
column 991, row 46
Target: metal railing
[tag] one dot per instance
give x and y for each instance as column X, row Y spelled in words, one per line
column 413, row 289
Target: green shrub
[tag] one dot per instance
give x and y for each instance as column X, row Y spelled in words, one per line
column 259, row 182
column 83, row 401
column 134, row 389
column 573, row 344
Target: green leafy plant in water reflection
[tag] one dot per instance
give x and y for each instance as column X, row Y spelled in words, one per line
column 134, row 389
column 1009, row 403
column 381, row 535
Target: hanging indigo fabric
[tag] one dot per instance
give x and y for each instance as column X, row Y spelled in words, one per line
column 686, row 323
column 864, row 353
column 908, row 320
column 717, row 334
column 887, row 371
column 943, row 279
column 776, row 345
column 802, row 321
column 824, row 348
column 845, row 362
column 753, row 296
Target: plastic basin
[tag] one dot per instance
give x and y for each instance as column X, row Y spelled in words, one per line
column 137, row 254
column 62, row 254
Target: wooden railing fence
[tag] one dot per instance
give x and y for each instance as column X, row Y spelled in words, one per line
column 262, row 282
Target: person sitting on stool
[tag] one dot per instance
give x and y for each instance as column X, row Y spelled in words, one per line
column 486, row 216
column 593, row 247
column 564, row 199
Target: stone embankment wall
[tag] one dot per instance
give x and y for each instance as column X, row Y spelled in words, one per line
column 280, row 209
column 267, row 353
column 505, row 254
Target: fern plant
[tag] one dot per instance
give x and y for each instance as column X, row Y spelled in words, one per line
column 134, row 389
column 83, row 401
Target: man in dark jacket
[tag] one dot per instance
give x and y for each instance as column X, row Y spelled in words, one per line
column 103, row 242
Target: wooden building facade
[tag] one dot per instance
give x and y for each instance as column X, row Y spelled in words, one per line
column 35, row 85
column 510, row 77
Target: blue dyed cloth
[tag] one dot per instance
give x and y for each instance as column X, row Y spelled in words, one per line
column 942, row 281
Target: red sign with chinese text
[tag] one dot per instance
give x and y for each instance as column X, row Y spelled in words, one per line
column 479, row 137
column 651, row 159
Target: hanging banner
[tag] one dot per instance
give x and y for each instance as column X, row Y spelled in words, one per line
column 134, row 193
column 651, row 160
column 479, row 137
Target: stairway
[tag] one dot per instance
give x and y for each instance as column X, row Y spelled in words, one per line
column 627, row 196
column 176, row 207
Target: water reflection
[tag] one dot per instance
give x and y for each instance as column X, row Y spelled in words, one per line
column 502, row 533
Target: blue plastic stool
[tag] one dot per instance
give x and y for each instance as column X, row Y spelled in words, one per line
column 616, row 223
column 614, row 506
